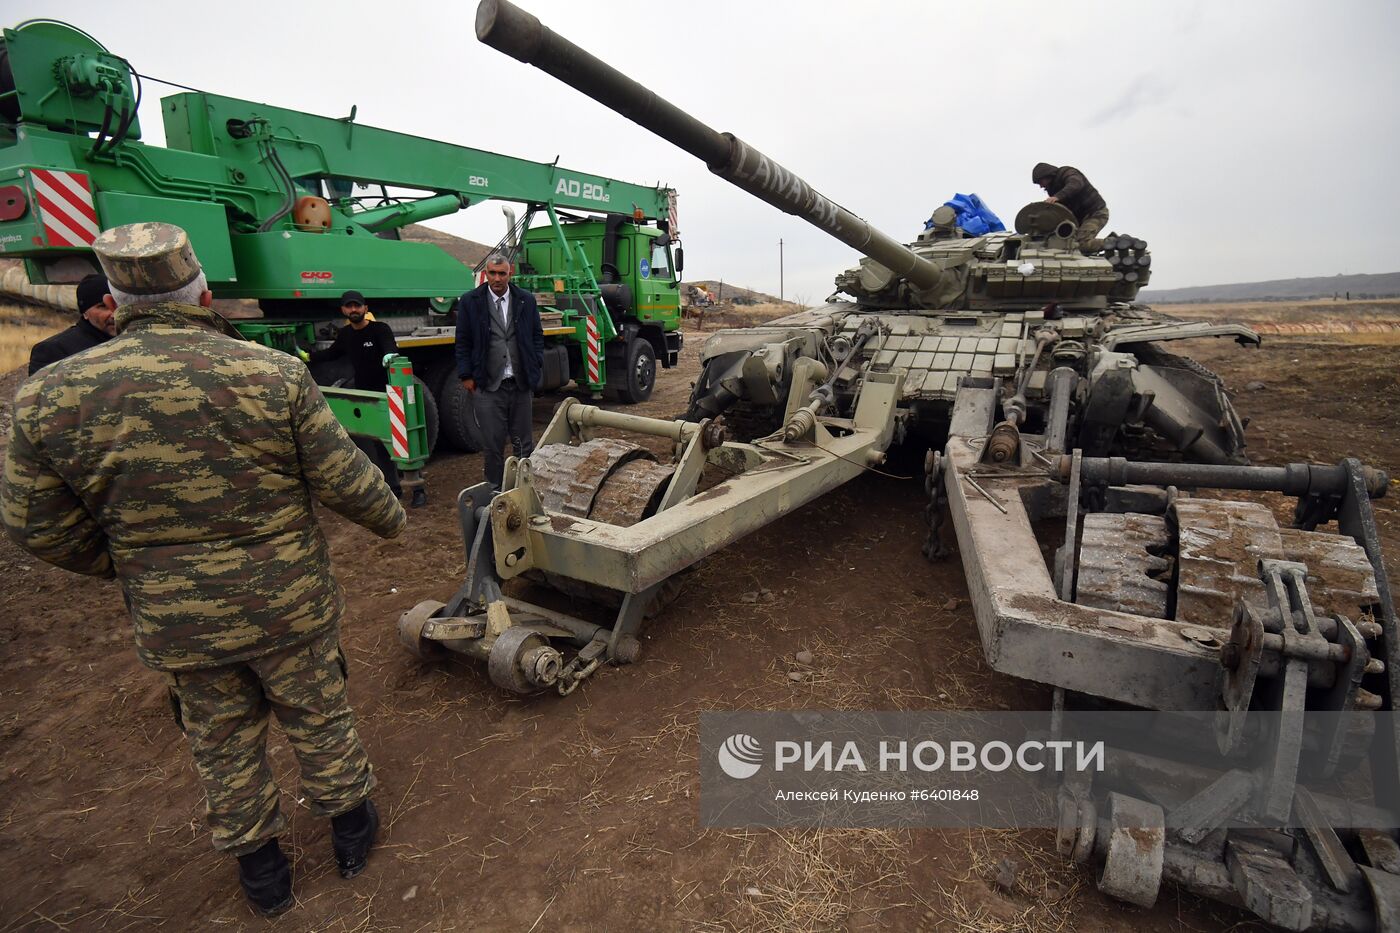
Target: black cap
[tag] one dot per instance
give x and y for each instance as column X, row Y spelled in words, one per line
column 351, row 298
column 91, row 291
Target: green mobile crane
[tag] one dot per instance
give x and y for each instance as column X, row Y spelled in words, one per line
column 292, row 209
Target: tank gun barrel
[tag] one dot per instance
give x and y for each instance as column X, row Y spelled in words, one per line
column 507, row 28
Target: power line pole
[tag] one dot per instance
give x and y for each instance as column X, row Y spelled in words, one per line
column 780, row 269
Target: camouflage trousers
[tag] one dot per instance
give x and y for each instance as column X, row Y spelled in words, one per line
column 225, row 713
column 1089, row 230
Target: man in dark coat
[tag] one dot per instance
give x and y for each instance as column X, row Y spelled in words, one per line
column 96, row 324
column 500, row 360
column 1067, row 185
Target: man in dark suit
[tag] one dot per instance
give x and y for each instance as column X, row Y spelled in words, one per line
column 96, row 324
column 500, row 360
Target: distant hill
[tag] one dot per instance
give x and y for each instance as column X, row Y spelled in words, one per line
column 1385, row 285
column 467, row 252
column 729, row 292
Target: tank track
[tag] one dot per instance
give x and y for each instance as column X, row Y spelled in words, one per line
column 1151, row 355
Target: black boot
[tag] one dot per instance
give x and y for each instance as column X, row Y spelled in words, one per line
column 352, row 834
column 267, row 879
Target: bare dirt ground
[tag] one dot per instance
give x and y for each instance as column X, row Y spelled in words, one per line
column 580, row 813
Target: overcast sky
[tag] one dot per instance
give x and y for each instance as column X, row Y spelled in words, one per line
column 1243, row 140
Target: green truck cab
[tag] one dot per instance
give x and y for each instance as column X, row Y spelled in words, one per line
column 636, row 269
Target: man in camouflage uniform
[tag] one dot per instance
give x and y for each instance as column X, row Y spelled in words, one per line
column 182, row 460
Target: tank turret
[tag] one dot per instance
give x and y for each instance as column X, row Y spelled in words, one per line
column 1037, row 263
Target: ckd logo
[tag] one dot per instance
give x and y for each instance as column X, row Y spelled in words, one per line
column 740, row 756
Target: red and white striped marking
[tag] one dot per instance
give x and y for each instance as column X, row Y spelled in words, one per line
column 672, row 214
column 397, row 429
column 65, row 204
column 594, row 375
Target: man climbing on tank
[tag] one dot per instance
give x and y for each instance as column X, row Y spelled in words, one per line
column 1067, row 185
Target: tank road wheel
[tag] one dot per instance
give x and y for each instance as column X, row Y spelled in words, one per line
column 458, row 415
column 411, row 631
column 632, row 373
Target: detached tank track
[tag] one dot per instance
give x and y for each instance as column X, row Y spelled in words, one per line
column 1122, row 563
column 606, row 480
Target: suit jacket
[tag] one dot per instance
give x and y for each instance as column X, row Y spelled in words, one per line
column 474, row 335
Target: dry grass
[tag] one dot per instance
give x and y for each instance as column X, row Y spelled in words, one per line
column 1009, row 885
column 22, row 326
column 765, row 312
column 1273, row 310
column 1372, row 317
column 731, row 315
column 820, row 879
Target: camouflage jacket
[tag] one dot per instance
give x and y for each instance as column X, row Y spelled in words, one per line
column 183, row 462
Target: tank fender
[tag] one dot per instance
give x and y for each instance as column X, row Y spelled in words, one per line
column 1121, row 338
column 808, row 340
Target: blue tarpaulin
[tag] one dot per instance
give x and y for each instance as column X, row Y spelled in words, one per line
column 974, row 217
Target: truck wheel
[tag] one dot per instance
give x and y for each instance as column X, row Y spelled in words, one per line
column 632, row 375
column 458, row 416
column 431, row 418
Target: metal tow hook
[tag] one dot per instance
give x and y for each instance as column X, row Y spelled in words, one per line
column 582, row 666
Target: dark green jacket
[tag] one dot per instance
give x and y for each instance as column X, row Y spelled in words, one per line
column 1072, row 189
column 183, row 461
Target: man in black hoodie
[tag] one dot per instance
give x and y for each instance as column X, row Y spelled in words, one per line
column 366, row 343
column 1067, row 185
column 96, row 324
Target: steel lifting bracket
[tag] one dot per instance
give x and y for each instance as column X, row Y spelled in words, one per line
column 1284, row 645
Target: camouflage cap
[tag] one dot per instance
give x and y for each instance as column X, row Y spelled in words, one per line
column 147, row 258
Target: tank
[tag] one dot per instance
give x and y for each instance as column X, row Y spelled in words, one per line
column 1012, row 306
column 1069, row 446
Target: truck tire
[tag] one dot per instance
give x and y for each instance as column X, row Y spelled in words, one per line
column 458, row 416
column 430, row 413
column 632, row 374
